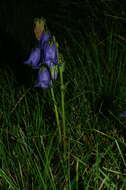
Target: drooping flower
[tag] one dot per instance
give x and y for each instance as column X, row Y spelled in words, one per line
column 123, row 114
column 43, row 79
column 45, row 55
column 50, row 55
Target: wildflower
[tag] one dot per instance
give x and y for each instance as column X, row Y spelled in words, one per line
column 43, row 79
column 123, row 114
column 50, row 54
column 45, row 55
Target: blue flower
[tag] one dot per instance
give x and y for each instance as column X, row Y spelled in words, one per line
column 50, row 55
column 44, row 37
column 45, row 58
column 43, row 79
column 34, row 59
column 123, row 114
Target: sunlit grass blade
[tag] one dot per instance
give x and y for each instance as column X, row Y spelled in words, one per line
column 8, row 180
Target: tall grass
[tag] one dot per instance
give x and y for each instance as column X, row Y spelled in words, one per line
column 92, row 153
column 69, row 137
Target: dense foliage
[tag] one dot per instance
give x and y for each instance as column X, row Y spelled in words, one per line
column 72, row 136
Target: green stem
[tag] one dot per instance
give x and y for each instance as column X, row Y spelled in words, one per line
column 63, row 111
column 56, row 113
column 62, row 102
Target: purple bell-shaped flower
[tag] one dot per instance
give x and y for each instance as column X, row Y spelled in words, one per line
column 43, row 79
column 123, row 114
column 50, row 55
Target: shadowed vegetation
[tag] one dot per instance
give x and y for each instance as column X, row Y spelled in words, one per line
column 72, row 136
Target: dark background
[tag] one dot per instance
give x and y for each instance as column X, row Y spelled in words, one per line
column 63, row 17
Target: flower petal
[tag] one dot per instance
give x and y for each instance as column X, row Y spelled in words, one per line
column 44, row 37
column 50, row 55
column 34, row 58
column 43, row 80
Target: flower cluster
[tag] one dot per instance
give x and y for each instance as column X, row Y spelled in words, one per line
column 45, row 58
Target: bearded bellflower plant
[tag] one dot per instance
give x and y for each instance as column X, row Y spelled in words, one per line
column 44, row 56
column 46, row 60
